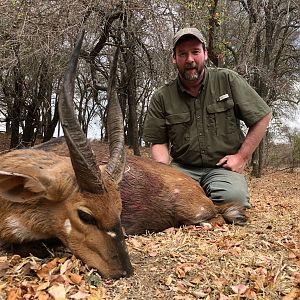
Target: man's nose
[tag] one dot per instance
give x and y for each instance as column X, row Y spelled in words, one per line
column 189, row 58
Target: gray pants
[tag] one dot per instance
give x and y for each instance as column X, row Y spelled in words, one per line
column 219, row 184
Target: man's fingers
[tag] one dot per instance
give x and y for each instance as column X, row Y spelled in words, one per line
column 222, row 161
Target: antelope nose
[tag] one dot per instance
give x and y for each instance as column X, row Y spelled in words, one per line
column 125, row 273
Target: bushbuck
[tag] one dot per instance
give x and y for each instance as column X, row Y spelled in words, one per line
column 45, row 196
column 156, row 196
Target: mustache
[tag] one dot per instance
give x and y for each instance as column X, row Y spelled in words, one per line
column 191, row 65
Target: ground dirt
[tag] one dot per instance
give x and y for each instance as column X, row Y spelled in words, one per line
column 258, row 261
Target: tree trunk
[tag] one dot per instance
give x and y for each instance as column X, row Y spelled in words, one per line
column 52, row 125
column 213, row 56
column 30, row 124
column 129, row 58
column 15, row 122
column 258, row 160
column 16, row 108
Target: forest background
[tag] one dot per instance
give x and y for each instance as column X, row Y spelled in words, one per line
column 258, row 39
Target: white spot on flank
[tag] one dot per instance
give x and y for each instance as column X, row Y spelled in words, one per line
column 68, row 226
column 176, row 191
column 112, row 234
column 127, row 170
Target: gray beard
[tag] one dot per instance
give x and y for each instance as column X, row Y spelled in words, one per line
column 191, row 77
column 195, row 75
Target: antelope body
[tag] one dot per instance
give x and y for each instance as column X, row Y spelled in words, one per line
column 41, row 199
column 156, row 196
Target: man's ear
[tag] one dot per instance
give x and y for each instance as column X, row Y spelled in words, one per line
column 205, row 54
column 174, row 57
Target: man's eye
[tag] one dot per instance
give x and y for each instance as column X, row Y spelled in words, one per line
column 86, row 218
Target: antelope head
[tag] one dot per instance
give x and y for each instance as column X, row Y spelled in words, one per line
column 93, row 227
column 44, row 195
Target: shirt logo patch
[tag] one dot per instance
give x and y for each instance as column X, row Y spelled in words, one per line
column 223, row 97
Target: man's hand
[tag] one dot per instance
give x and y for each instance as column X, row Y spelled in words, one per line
column 235, row 163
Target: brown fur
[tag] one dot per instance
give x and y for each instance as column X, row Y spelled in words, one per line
column 156, row 196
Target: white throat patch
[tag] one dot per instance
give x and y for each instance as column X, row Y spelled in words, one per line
column 68, row 227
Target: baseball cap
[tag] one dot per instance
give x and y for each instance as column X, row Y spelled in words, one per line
column 188, row 31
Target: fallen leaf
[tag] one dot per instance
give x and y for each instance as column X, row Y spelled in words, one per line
column 80, row 295
column 182, row 269
column 199, row 294
column 64, row 267
column 294, row 294
column 181, row 288
column 43, row 286
column 180, row 272
column 296, row 277
column 239, row 289
column 168, row 280
column 42, row 295
column 159, row 293
column 196, row 279
column 220, row 282
column 250, row 294
column 223, row 297
column 58, row 292
column 14, row 294
column 75, row 278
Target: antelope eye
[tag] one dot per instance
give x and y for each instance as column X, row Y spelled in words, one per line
column 86, row 218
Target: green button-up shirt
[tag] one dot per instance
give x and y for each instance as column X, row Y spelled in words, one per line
column 201, row 130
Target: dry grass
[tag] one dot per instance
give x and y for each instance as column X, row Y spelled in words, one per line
column 258, row 261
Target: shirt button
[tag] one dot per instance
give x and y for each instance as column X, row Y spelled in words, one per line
column 198, row 117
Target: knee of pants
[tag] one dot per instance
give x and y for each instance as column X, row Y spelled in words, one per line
column 232, row 193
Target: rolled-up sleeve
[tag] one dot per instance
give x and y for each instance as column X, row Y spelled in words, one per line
column 250, row 107
column 155, row 130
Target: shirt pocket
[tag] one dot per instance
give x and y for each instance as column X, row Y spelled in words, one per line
column 221, row 117
column 178, row 128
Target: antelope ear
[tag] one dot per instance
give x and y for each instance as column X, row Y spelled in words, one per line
column 24, row 188
column 18, row 187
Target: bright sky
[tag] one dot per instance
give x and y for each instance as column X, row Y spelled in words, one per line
column 294, row 123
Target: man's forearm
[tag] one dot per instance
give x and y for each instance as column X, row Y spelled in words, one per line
column 254, row 136
column 160, row 153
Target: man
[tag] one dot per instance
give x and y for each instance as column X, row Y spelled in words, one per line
column 193, row 122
